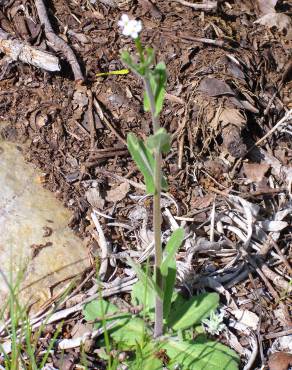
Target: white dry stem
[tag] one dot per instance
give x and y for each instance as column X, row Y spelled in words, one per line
column 77, row 342
column 285, row 119
column 51, row 317
column 212, row 224
column 104, row 246
column 18, row 50
column 173, row 224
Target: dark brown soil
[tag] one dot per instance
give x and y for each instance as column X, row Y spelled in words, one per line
column 216, row 109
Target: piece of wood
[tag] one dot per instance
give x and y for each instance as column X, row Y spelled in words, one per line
column 57, row 43
column 19, row 51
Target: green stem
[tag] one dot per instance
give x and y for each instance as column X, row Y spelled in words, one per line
column 140, row 49
column 158, row 327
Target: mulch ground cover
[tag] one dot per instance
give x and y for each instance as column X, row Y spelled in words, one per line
column 229, row 84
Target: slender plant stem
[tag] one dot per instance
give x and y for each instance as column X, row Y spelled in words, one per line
column 158, row 326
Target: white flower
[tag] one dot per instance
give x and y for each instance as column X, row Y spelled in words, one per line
column 130, row 27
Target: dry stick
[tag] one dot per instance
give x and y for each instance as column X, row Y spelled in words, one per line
column 91, row 119
column 57, row 43
column 278, row 335
column 209, row 5
column 107, row 123
column 220, row 43
column 287, row 117
column 281, row 255
column 18, row 50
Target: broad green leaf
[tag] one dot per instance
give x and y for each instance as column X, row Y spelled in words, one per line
column 171, row 248
column 130, row 333
column 200, row 354
column 146, row 358
column 95, row 310
column 145, row 279
column 160, row 140
column 192, row 311
column 160, row 77
column 168, row 290
column 168, row 269
column 110, row 73
column 139, row 294
column 145, row 162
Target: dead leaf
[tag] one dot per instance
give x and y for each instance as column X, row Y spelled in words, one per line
column 80, row 98
column 93, row 197
column 118, row 193
column 214, row 87
column 273, row 226
column 41, row 120
column 203, row 202
column 280, row 361
column 279, row 20
column 138, row 213
column 247, row 318
column 233, row 116
column 79, row 329
column 266, row 6
column 255, row 172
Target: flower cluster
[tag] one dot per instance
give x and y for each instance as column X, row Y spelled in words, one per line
column 130, row 27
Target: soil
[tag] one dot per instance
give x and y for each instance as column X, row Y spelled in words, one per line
column 222, row 98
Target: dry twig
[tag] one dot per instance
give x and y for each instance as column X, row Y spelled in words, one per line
column 18, row 50
column 56, row 42
column 207, row 6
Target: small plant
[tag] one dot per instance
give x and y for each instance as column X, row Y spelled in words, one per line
column 21, row 351
column 179, row 341
column 214, row 325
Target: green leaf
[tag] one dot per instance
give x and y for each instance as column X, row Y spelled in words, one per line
column 169, row 293
column 145, row 162
column 145, row 279
column 182, row 316
column 160, row 140
column 171, row 248
column 160, row 77
column 101, row 309
column 157, row 79
column 130, row 333
column 95, row 309
column 149, row 57
column 142, row 295
column 200, row 354
column 168, row 268
column 146, row 358
column 127, row 59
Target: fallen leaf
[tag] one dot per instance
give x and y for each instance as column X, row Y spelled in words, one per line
column 118, row 193
column 280, row 361
column 247, row 318
column 279, row 20
column 214, row 87
column 273, row 226
column 233, row 116
column 266, row 6
column 203, row 202
column 94, row 199
column 255, row 172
